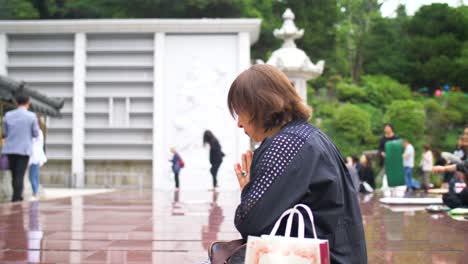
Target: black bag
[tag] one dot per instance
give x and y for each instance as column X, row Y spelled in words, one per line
column 227, row 252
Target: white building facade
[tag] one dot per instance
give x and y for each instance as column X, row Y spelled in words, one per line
column 133, row 89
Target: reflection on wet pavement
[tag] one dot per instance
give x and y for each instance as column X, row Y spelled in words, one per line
column 178, row 227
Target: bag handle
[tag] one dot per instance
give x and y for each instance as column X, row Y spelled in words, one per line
column 290, row 212
column 301, row 226
column 311, row 216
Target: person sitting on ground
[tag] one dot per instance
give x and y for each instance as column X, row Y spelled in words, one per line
column 352, row 166
column 448, row 176
column 366, row 173
column 454, row 200
column 295, row 163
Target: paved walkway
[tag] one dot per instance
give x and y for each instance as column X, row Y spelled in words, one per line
column 172, row 227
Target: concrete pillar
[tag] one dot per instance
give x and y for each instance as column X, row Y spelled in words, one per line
column 79, row 78
column 301, row 87
column 3, row 54
column 159, row 150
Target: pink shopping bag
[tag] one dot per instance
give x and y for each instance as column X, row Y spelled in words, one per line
column 273, row 249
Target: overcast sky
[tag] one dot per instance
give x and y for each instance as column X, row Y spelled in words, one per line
column 389, row 6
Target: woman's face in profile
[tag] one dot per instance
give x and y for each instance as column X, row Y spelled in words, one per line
column 243, row 121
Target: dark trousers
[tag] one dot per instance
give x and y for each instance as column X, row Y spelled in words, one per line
column 176, row 179
column 214, row 173
column 18, row 165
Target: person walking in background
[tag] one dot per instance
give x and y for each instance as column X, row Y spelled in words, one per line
column 19, row 128
column 216, row 155
column 37, row 159
column 177, row 165
column 426, row 165
column 389, row 135
column 408, row 164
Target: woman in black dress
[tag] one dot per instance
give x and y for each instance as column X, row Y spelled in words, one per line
column 216, row 155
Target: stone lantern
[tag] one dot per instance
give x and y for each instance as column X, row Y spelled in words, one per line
column 292, row 61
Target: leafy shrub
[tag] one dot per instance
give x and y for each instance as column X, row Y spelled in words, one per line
column 383, row 90
column 351, row 129
column 376, row 117
column 350, row 93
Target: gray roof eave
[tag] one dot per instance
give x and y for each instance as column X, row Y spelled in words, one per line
column 39, row 102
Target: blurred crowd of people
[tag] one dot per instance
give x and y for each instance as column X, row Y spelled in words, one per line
column 432, row 161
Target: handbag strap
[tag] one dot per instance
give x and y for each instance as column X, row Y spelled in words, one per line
column 290, row 212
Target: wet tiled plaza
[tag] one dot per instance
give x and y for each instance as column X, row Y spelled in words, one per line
column 178, row 227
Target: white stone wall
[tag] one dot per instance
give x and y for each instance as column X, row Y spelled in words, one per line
column 132, row 89
column 197, row 79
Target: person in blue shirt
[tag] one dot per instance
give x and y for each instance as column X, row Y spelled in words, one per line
column 408, row 164
column 176, row 166
column 20, row 126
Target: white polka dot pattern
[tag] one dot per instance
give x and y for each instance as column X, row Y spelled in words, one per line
column 272, row 165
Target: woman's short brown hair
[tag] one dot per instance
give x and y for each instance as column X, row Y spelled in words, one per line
column 265, row 94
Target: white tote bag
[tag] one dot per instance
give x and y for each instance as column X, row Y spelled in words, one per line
column 273, row 249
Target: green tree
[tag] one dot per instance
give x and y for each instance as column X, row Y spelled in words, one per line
column 385, row 45
column 316, row 17
column 352, row 30
column 436, row 36
column 58, row 9
column 459, row 76
column 17, row 9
